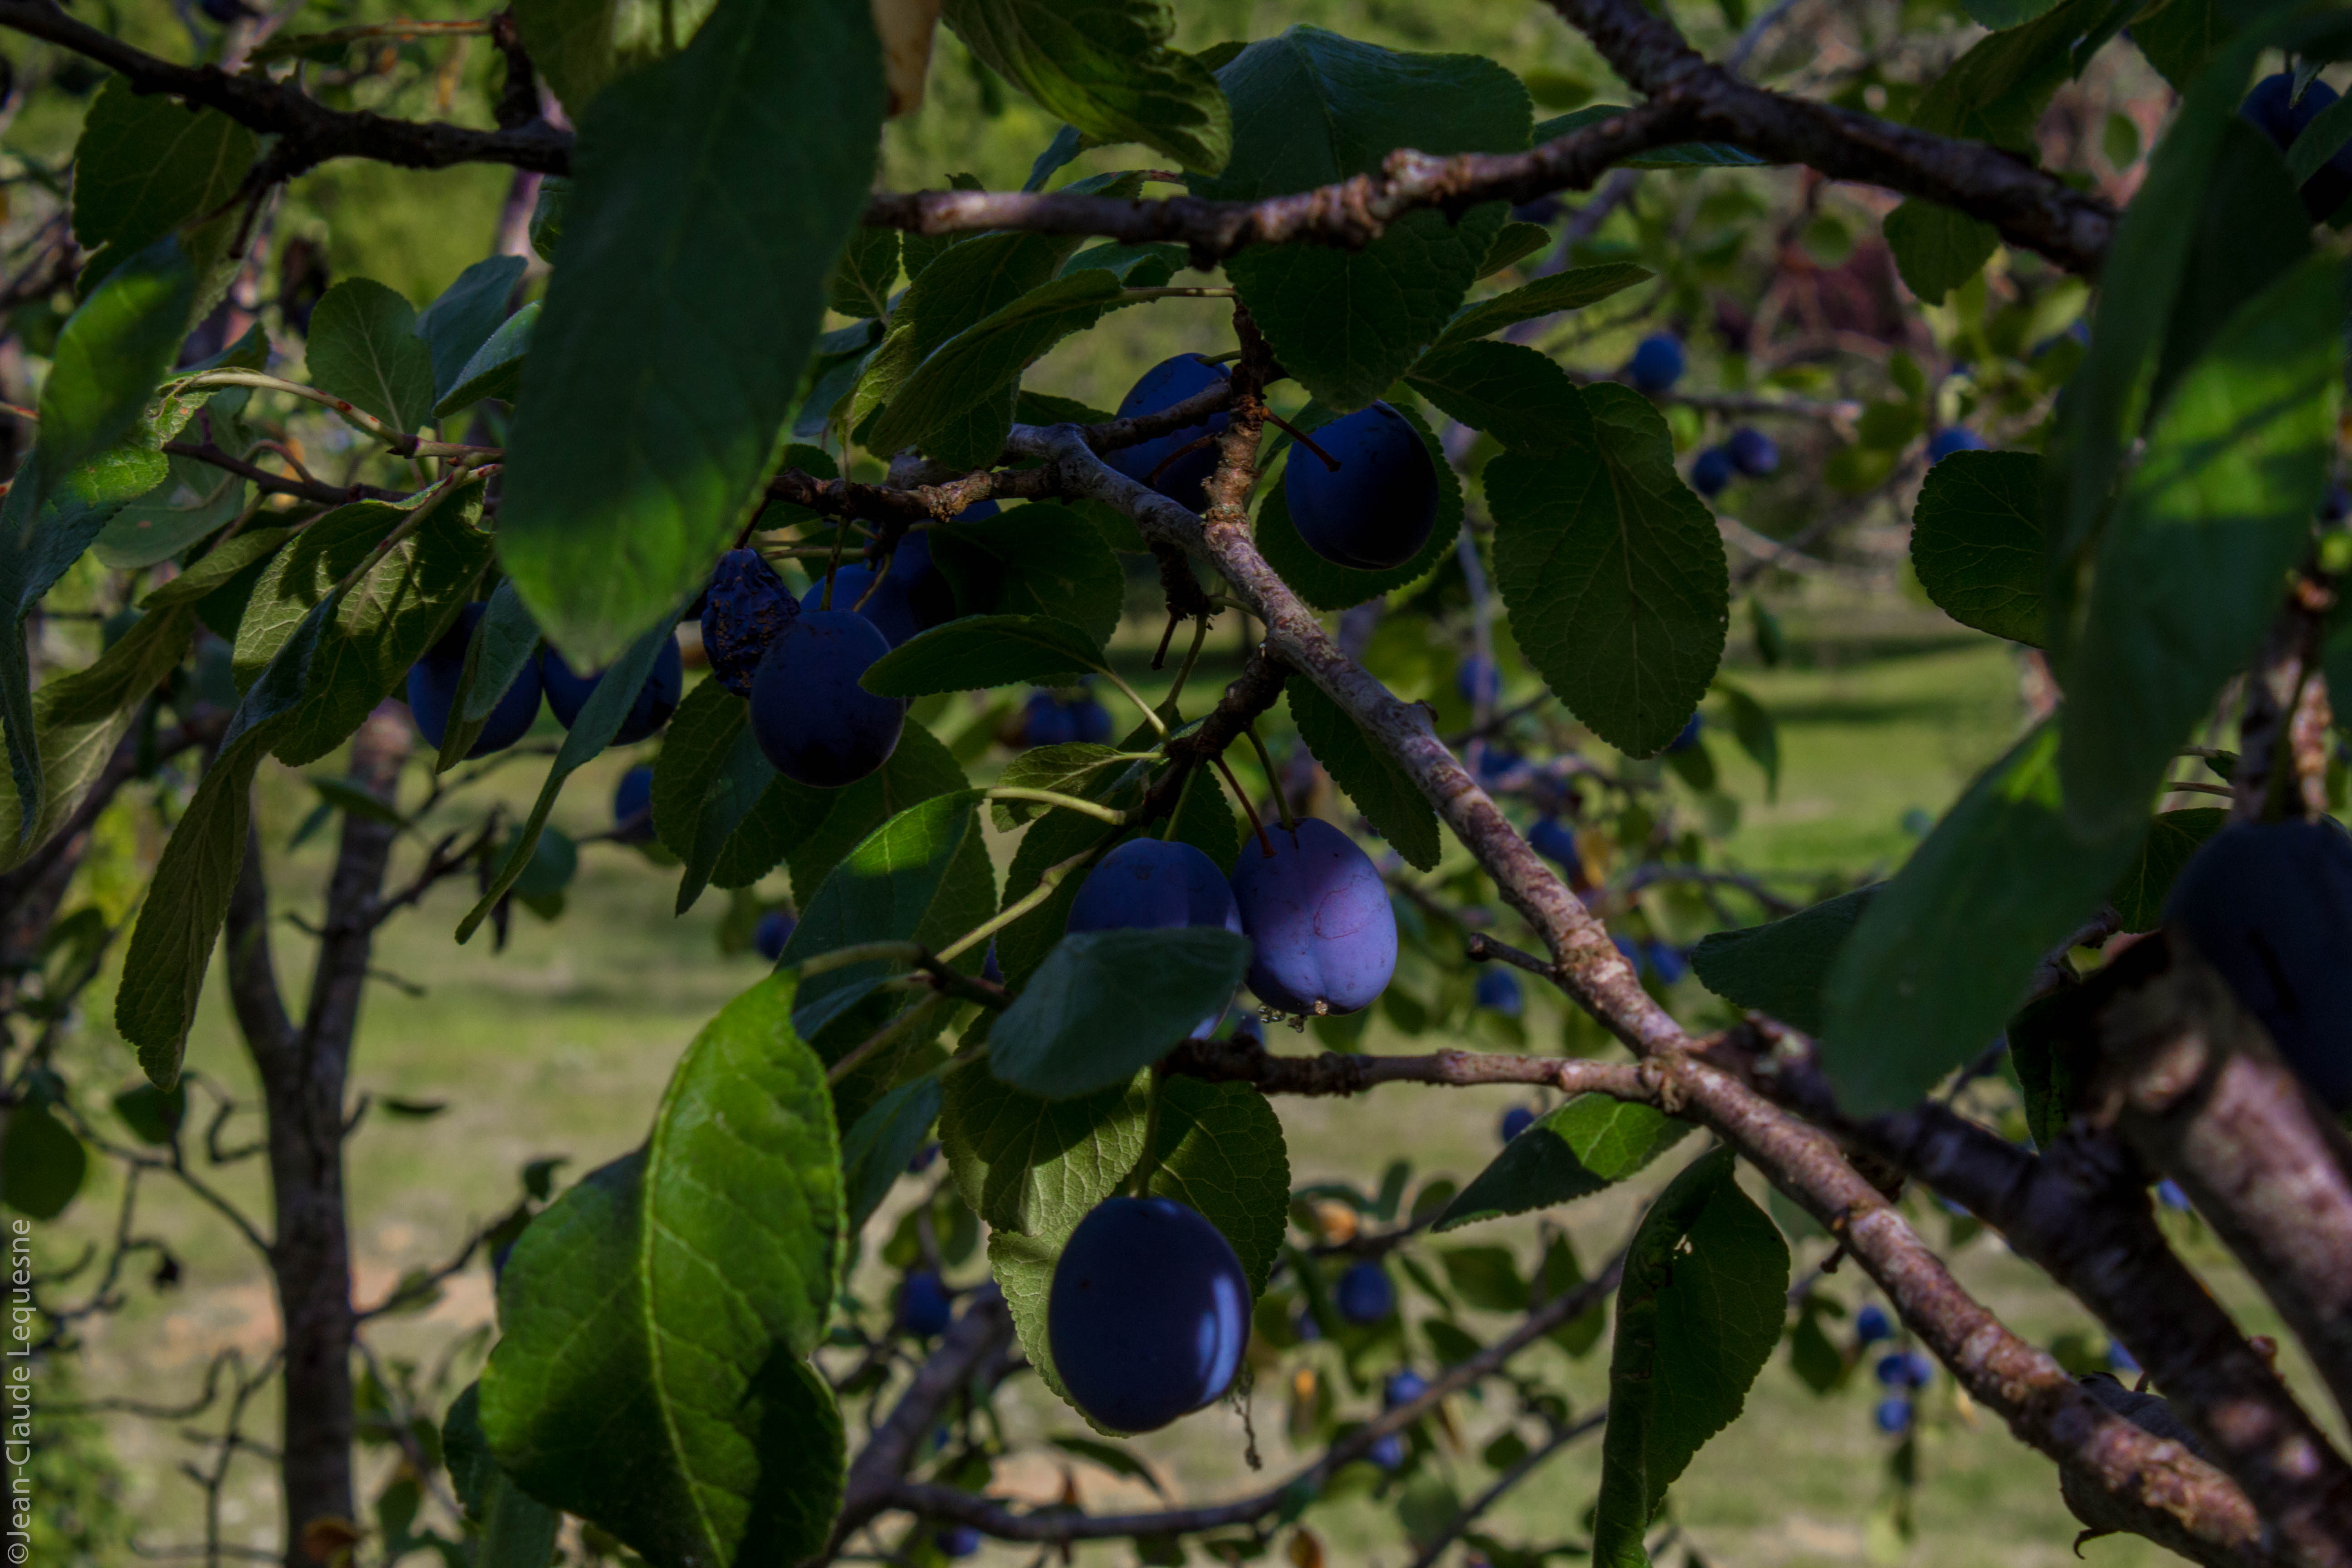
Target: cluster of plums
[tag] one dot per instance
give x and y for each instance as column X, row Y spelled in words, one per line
column 1748, row 451
column 433, row 683
column 1149, row 1310
column 1055, row 719
column 1361, row 489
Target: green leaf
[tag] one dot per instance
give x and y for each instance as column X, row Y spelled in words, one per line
column 1036, row 560
column 1148, row 265
column 1569, row 290
column 1310, row 109
column 1613, row 572
column 1520, row 397
column 875, row 1152
column 1381, row 790
column 2192, row 563
column 1106, row 1003
column 731, row 797
column 1946, row 950
column 495, row 370
column 380, row 626
column 1485, row 1278
column 109, row 357
column 42, row 1163
column 1222, row 1154
column 1570, row 1151
column 1937, row 249
column 2172, row 839
column 580, row 46
column 196, row 498
column 985, row 650
column 468, row 313
column 152, row 1115
column 817, row 827
column 1054, row 838
column 1329, row 586
column 979, row 362
column 693, row 761
column 676, row 1295
column 364, row 348
column 1513, row 243
column 866, row 272
column 1703, row 1298
column 144, row 166
column 1976, row 541
column 504, row 644
column 517, row 1531
column 1062, row 769
column 2179, row 36
column 1752, row 727
column 1997, row 91
column 599, row 720
column 1780, row 968
column 1104, row 67
column 733, row 171
column 923, row 876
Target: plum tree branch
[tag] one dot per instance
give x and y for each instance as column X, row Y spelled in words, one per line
column 313, row 133
column 1332, row 1073
column 2031, row 208
column 2081, row 1212
column 2161, row 1491
column 2194, row 1082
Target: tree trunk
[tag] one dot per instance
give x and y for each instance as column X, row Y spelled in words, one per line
column 302, row 1078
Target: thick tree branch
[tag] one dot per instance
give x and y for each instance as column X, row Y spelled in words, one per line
column 2194, row 1081
column 312, row 132
column 2031, row 208
column 2081, row 1212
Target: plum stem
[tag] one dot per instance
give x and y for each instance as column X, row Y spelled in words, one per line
column 1033, row 899
column 1159, row 654
column 1184, row 671
column 832, row 565
column 1148, row 1165
column 1273, row 779
column 1149, row 712
column 1296, row 434
column 1094, row 809
column 1264, row 843
column 895, row 1029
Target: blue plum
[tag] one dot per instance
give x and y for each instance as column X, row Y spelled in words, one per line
column 1556, row 841
column 1872, row 1325
column 433, row 692
column 1146, row 1314
column 2269, row 905
column 1903, row 1369
column 1318, row 915
column 1151, row 883
column 1047, row 722
column 2168, row 1194
column 957, row 1541
column 1376, row 509
column 1092, row 720
column 922, row 1158
column 885, row 602
column 1364, row 1294
column 1478, row 680
column 1515, row 1121
column 1657, row 363
column 1164, row 385
column 1711, row 470
column 929, row 594
column 1953, row 439
column 742, row 610
column 816, row 724
column 1499, row 989
column 775, row 929
column 1402, row 1388
column 1753, row 453
column 924, row 1305
column 1687, row 736
column 2121, row 1360
column 567, row 692
column 1666, row 960
column 1893, row 1415
column 633, row 806
column 1388, row 1452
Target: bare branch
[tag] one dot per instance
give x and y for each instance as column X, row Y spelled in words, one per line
column 2031, row 208
column 1246, row 1061
column 982, row 1332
